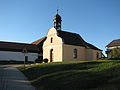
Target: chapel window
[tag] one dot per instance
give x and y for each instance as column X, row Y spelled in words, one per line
column 75, row 53
column 51, row 40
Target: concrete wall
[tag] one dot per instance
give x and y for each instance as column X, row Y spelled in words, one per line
column 68, row 51
column 18, row 56
column 56, row 45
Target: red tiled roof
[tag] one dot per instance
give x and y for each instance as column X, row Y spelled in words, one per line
column 38, row 41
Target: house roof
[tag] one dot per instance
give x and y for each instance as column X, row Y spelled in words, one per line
column 39, row 43
column 13, row 46
column 68, row 38
column 92, row 46
column 74, row 39
column 71, row 38
column 114, row 43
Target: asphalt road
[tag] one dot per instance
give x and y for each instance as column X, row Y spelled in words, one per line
column 13, row 79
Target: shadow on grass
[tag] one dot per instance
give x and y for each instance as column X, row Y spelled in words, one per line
column 51, row 68
column 72, row 80
column 76, row 76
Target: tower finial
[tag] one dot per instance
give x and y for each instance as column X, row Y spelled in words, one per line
column 57, row 11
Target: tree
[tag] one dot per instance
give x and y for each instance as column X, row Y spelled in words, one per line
column 115, row 53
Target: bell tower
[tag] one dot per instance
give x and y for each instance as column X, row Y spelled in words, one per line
column 57, row 21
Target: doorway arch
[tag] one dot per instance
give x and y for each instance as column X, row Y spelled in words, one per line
column 51, row 55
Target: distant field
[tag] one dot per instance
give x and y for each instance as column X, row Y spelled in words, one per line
column 92, row 75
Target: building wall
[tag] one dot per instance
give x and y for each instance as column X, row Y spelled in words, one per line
column 57, row 53
column 68, row 51
column 56, row 45
column 113, row 47
column 18, row 56
column 95, row 54
column 89, row 54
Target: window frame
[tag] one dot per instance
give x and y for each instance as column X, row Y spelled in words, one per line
column 75, row 53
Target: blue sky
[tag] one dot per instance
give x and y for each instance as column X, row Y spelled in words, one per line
column 97, row 21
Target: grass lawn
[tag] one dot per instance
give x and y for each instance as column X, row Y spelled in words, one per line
column 92, row 75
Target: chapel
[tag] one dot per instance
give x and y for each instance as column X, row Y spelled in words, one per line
column 62, row 45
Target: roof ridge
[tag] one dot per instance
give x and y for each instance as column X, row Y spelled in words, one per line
column 93, row 47
column 116, row 39
column 14, row 42
column 68, row 32
column 39, row 40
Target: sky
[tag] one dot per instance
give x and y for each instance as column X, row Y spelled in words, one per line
column 97, row 21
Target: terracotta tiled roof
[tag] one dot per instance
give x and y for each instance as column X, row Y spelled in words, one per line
column 39, row 43
column 75, row 39
column 114, row 43
column 13, row 46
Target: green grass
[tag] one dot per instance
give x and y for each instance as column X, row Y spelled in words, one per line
column 92, row 75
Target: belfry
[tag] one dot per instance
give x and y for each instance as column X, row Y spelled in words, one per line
column 57, row 21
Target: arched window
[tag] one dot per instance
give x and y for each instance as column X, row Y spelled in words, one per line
column 75, row 53
column 51, row 40
column 97, row 55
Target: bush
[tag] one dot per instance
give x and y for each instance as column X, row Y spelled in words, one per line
column 45, row 60
column 38, row 60
column 115, row 54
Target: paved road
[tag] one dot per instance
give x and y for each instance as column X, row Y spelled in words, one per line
column 13, row 79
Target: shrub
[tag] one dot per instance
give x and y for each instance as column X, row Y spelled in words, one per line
column 115, row 54
column 45, row 60
column 38, row 60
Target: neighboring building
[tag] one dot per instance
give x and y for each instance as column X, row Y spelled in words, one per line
column 66, row 46
column 114, row 44
column 18, row 51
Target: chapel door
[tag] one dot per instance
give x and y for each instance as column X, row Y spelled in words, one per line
column 51, row 55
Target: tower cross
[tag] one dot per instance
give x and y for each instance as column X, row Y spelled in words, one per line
column 57, row 11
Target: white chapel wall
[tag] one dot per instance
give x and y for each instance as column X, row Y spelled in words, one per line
column 56, row 45
column 68, row 51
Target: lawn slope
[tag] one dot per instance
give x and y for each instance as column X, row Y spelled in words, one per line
column 93, row 75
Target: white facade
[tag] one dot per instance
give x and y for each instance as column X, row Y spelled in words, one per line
column 17, row 56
